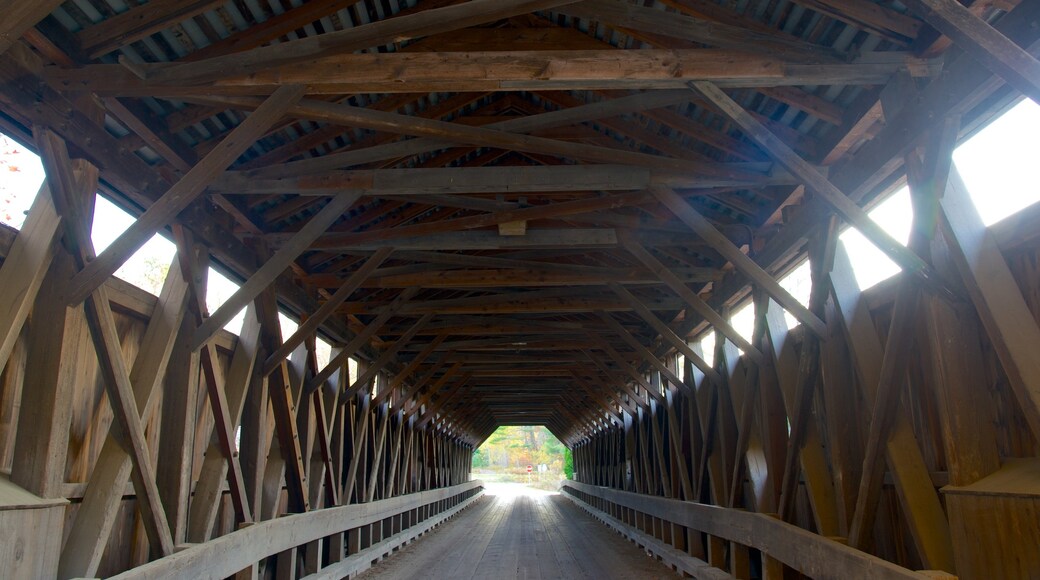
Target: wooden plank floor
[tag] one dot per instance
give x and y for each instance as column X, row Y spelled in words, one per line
column 514, row 532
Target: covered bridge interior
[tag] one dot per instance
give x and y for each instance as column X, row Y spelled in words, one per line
column 516, row 212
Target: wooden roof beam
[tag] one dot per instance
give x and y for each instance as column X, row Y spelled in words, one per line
column 983, row 42
column 423, row 23
column 814, row 180
column 21, row 16
column 499, row 179
column 619, row 13
column 541, row 70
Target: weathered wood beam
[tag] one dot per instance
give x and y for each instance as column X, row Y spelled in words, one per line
column 20, row 17
column 137, row 23
column 91, row 530
column 152, row 132
column 311, row 324
column 285, row 460
column 702, row 227
column 214, row 470
column 392, row 183
column 665, row 331
column 461, row 385
column 813, row 459
column 125, row 174
column 196, row 272
column 540, row 70
column 689, row 296
column 813, row 179
column 404, row 374
column 993, row 290
column 386, row 356
column 359, row 340
column 643, row 352
column 423, row 23
column 24, row 268
column 965, row 85
column 619, row 13
column 507, row 278
column 917, row 496
column 456, row 133
column 983, row 42
column 69, row 196
column 274, row 267
column 565, row 117
column 483, row 240
column 545, row 211
column 178, row 197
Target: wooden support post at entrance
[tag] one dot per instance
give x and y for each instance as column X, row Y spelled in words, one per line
column 70, row 196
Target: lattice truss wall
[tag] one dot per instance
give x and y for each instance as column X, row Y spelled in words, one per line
column 516, row 212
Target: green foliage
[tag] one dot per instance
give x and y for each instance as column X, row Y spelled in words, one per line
column 568, row 463
column 514, row 448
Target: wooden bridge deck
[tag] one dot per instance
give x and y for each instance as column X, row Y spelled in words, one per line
column 519, row 533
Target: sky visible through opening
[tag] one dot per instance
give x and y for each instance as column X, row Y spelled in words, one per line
column 998, row 165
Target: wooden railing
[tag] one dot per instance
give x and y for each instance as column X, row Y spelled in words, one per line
column 657, row 524
column 357, row 535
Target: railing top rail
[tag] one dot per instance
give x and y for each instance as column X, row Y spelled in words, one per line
column 230, row 553
column 809, row 553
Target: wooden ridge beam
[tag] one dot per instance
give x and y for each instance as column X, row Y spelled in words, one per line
column 491, row 240
column 504, row 278
column 538, row 70
column 393, row 183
